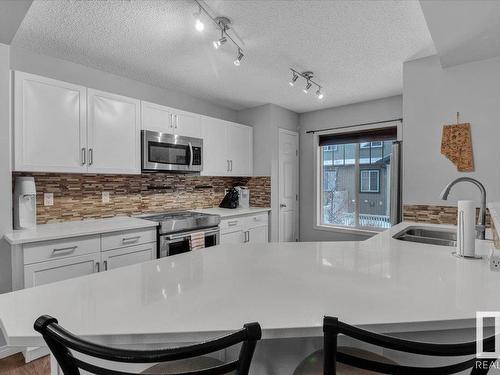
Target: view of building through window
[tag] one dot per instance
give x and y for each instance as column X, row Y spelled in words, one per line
column 356, row 184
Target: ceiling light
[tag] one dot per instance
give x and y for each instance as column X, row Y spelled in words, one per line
column 319, row 94
column 294, row 78
column 237, row 62
column 308, row 86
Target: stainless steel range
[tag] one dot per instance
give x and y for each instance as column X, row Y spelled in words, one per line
column 175, row 229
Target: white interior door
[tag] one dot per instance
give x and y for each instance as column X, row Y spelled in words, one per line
column 113, row 133
column 288, row 185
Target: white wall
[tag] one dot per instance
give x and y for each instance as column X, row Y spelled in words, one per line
column 5, row 174
column 30, row 62
column 266, row 121
column 375, row 110
column 431, row 97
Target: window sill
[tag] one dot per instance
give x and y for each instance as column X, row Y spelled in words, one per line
column 341, row 229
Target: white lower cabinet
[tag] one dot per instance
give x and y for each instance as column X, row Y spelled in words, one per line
column 60, row 269
column 127, row 256
column 251, row 229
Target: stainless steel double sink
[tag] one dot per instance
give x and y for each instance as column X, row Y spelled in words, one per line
column 432, row 236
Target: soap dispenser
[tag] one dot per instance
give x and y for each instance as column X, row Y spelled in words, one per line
column 24, row 203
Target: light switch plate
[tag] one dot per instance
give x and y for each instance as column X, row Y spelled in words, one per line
column 105, row 197
column 48, row 199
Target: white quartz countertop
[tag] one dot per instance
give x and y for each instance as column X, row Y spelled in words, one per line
column 380, row 283
column 232, row 212
column 44, row 232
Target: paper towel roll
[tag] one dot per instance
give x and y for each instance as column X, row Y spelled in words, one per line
column 466, row 231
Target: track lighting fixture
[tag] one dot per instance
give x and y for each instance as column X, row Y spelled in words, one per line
column 294, row 78
column 218, row 43
column 308, row 86
column 223, row 24
column 237, row 62
column 308, row 76
column 199, row 25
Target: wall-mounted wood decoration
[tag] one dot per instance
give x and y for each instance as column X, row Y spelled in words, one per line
column 456, row 145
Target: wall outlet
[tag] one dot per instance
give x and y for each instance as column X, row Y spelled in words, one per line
column 495, row 262
column 48, row 199
column 105, row 197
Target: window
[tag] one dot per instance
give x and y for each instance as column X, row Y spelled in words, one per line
column 369, row 181
column 355, row 179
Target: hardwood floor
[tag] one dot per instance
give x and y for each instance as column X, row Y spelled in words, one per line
column 14, row 365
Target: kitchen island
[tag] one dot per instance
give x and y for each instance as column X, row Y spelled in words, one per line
column 381, row 284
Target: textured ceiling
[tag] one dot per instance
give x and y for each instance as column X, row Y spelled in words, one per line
column 464, row 31
column 355, row 48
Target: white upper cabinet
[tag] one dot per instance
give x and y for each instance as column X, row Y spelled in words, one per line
column 215, row 161
column 49, row 125
column 239, row 140
column 227, row 148
column 156, row 117
column 168, row 120
column 113, row 133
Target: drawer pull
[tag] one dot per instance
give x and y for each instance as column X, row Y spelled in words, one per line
column 69, row 249
column 126, row 240
column 232, row 223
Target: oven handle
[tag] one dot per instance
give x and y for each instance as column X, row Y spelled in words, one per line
column 190, row 154
column 181, row 236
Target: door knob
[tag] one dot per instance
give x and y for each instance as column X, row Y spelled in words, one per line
column 282, row 205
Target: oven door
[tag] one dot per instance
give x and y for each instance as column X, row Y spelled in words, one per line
column 178, row 243
column 169, row 152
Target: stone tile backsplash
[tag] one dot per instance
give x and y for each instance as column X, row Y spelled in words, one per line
column 79, row 196
column 435, row 214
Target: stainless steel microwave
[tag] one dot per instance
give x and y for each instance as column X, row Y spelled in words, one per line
column 170, row 153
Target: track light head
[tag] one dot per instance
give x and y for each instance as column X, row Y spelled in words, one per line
column 319, row 94
column 294, row 78
column 199, row 25
column 218, row 43
column 308, row 86
column 240, row 56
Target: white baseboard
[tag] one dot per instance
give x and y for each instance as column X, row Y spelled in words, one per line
column 32, row 353
column 7, row 351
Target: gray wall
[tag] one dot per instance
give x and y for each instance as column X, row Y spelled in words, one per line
column 432, row 96
column 266, row 121
column 30, row 62
column 375, row 110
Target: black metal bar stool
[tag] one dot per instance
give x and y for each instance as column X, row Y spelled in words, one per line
column 333, row 360
column 188, row 360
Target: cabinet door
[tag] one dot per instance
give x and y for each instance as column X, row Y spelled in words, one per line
column 258, row 235
column 232, row 237
column 61, row 269
column 240, row 149
column 113, row 133
column 187, row 124
column 128, row 255
column 215, row 162
column 156, row 117
column 49, row 125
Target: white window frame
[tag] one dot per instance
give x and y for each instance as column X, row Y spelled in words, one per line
column 370, row 189
column 318, row 183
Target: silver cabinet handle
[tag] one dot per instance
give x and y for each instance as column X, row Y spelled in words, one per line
column 84, row 151
column 97, row 266
column 282, row 205
column 105, row 265
column 171, row 121
column 231, row 164
column 130, row 239
column 227, row 167
column 232, row 223
column 248, row 232
column 68, row 249
column 176, row 121
column 91, row 156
